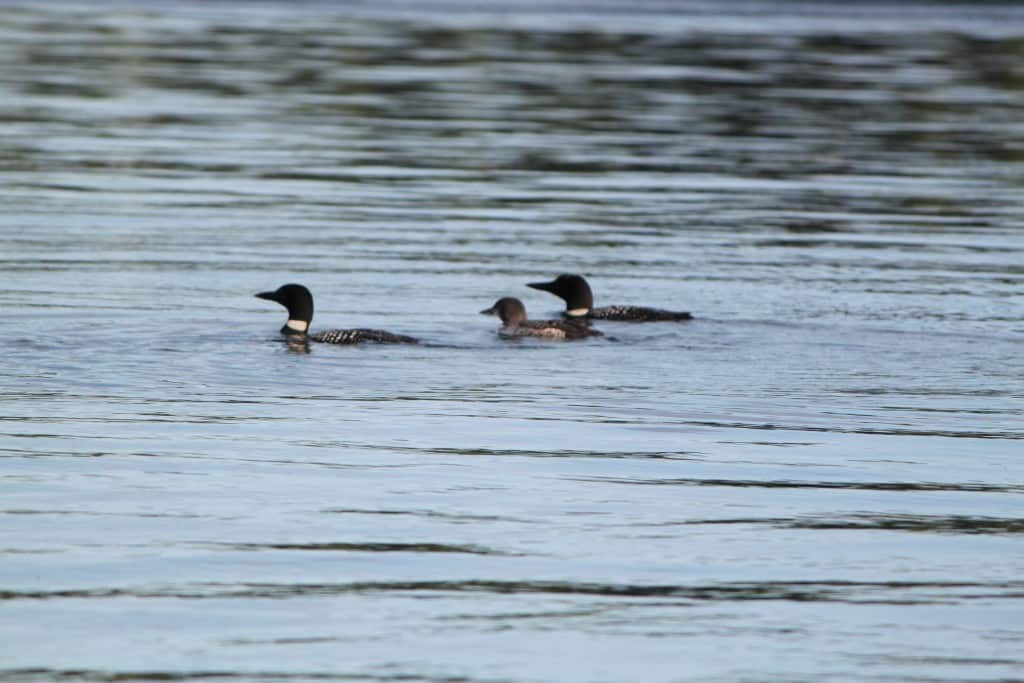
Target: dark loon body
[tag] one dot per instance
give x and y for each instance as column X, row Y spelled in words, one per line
column 579, row 303
column 514, row 323
column 299, row 303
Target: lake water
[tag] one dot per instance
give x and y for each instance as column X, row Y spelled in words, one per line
column 820, row 478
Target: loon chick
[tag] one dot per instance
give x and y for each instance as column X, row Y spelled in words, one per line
column 299, row 303
column 579, row 303
column 514, row 323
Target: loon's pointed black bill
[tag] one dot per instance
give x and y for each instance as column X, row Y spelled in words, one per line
column 270, row 296
column 488, row 311
column 543, row 286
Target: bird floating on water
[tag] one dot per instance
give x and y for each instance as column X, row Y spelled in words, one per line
column 579, row 303
column 299, row 302
column 515, row 324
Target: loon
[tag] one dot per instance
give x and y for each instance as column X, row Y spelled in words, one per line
column 514, row 323
column 579, row 303
column 299, row 303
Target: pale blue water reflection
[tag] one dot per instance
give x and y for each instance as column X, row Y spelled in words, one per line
column 817, row 479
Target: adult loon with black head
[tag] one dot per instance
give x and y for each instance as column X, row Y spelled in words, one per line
column 299, row 302
column 515, row 324
column 579, row 303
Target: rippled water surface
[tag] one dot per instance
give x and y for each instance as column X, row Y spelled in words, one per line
column 819, row 478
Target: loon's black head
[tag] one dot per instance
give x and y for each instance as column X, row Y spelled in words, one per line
column 573, row 289
column 509, row 309
column 299, row 303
